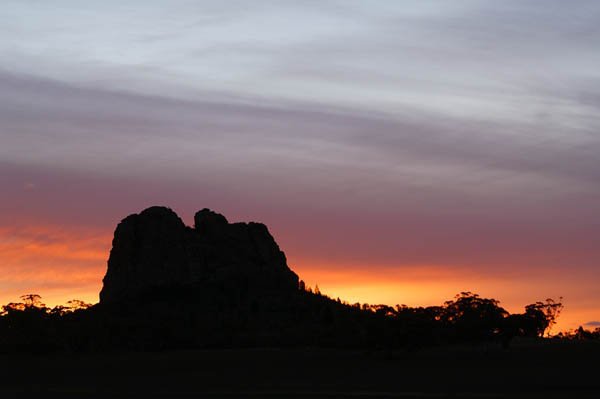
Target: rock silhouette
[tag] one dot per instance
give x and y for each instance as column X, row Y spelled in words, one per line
column 155, row 249
column 220, row 284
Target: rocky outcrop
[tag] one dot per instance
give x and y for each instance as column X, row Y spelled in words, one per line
column 155, row 249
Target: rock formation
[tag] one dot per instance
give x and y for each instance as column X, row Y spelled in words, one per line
column 155, row 249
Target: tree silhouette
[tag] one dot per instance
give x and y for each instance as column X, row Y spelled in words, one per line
column 541, row 316
column 317, row 290
column 222, row 315
column 473, row 317
column 302, row 285
column 32, row 301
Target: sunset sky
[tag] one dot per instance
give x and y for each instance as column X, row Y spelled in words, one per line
column 399, row 151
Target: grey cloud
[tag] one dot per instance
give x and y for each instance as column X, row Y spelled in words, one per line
column 50, row 122
column 407, row 166
column 423, row 115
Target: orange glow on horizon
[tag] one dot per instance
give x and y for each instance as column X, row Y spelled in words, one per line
column 427, row 285
column 58, row 263
column 62, row 264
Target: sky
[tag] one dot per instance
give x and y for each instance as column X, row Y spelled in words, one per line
column 399, row 151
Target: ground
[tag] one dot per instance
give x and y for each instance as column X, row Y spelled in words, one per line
column 526, row 370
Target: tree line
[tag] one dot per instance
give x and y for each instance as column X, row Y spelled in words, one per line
column 227, row 316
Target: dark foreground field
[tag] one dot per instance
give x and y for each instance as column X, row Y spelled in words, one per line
column 527, row 370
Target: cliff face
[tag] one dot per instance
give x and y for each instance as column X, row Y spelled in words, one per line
column 155, row 249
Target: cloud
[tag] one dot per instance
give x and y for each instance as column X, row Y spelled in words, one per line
column 100, row 129
column 461, row 58
column 433, row 133
column 592, row 324
column 411, row 182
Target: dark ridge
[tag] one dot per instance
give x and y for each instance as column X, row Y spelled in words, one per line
column 221, row 284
